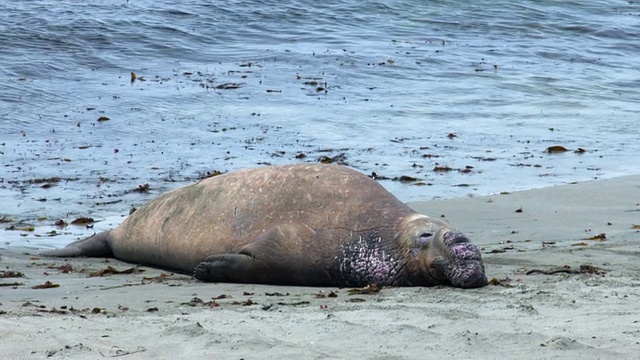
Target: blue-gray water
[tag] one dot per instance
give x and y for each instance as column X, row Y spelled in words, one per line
column 223, row 85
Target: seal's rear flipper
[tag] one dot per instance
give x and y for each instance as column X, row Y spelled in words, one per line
column 94, row 246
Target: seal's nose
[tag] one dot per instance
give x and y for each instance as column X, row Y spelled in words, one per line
column 468, row 275
column 454, row 237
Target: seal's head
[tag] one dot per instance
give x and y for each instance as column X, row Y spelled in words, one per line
column 442, row 254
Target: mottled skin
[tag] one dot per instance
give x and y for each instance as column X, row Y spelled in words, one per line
column 315, row 225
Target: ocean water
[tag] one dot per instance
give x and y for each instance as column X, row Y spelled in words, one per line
column 464, row 97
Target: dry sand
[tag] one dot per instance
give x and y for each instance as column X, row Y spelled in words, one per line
column 590, row 312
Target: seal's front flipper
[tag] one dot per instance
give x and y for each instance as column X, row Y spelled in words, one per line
column 227, row 268
column 284, row 254
column 263, row 261
column 94, row 246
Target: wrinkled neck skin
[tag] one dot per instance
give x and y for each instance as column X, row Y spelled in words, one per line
column 369, row 260
column 445, row 257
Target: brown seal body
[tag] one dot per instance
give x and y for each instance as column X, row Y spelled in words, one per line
column 316, row 225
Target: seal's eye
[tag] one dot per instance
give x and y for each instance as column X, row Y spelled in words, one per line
column 423, row 239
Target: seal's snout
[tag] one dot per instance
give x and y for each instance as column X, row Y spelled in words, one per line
column 466, row 273
column 466, row 269
column 452, row 238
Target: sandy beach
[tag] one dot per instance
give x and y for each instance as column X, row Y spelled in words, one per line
column 565, row 284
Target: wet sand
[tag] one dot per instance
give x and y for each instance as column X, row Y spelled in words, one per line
column 560, row 289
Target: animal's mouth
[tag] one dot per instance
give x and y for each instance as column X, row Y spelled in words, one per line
column 465, row 269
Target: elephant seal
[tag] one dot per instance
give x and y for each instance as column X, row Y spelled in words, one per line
column 312, row 224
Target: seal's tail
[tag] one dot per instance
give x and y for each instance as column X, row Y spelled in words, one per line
column 93, row 246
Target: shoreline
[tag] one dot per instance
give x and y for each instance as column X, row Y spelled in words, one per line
column 555, row 294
